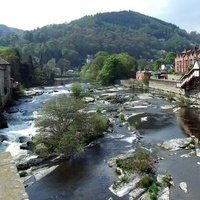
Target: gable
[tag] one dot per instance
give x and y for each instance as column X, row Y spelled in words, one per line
column 3, row 64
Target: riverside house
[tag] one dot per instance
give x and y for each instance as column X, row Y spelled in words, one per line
column 5, row 82
column 186, row 59
column 188, row 64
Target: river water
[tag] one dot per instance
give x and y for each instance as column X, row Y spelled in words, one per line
column 87, row 175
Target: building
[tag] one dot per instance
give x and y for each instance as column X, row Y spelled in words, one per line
column 191, row 80
column 160, row 74
column 5, row 82
column 186, row 59
column 141, row 74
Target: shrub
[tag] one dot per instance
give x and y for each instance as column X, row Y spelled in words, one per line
column 23, row 173
column 184, row 101
column 64, row 127
column 145, row 81
column 122, row 117
column 166, row 180
column 153, row 191
column 76, row 89
column 141, row 162
column 145, row 182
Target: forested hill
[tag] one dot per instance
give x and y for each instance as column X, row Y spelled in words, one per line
column 5, row 30
column 114, row 32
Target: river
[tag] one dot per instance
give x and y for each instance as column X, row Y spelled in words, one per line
column 87, row 175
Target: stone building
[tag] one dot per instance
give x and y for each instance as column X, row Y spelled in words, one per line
column 5, row 82
column 186, row 59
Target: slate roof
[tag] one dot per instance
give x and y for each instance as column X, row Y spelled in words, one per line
column 3, row 62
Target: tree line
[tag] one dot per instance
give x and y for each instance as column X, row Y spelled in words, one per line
column 142, row 37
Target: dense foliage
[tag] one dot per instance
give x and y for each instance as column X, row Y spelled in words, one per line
column 141, row 162
column 4, row 30
column 25, row 72
column 76, row 89
column 64, row 127
column 107, row 69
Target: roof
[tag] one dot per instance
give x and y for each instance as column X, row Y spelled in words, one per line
column 3, row 62
column 196, row 64
column 144, row 72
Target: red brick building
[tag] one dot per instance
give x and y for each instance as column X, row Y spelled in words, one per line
column 186, row 59
column 141, row 74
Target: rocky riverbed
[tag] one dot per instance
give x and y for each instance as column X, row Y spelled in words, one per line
column 136, row 121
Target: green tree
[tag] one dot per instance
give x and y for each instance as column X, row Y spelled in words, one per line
column 39, row 78
column 76, row 89
column 118, row 66
column 157, row 64
column 90, row 71
column 111, row 70
column 13, row 57
column 64, row 65
column 170, row 57
column 142, row 63
column 130, row 65
column 65, row 128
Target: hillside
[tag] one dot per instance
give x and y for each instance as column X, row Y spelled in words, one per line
column 5, row 30
column 114, row 32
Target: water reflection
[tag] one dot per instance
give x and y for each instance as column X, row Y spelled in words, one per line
column 151, row 120
column 189, row 120
column 83, row 177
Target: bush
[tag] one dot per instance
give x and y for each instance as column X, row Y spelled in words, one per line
column 23, row 173
column 70, row 142
column 166, row 180
column 145, row 81
column 141, row 162
column 146, row 182
column 184, row 101
column 153, row 191
column 65, row 128
column 76, row 89
column 19, row 92
column 122, row 117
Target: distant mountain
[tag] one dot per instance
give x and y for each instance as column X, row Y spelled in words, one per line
column 139, row 35
column 4, row 30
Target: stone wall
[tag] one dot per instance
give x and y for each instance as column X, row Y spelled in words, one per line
column 165, row 85
column 173, row 77
column 11, row 187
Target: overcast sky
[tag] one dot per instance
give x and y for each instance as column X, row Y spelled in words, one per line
column 29, row 15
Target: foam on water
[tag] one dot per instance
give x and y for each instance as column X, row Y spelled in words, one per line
column 129, row 139
column 20, row 124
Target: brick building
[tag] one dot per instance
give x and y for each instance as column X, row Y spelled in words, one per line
column 186, row 59
column 141, row 74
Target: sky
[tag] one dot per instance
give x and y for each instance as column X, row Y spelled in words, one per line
column 30, row 15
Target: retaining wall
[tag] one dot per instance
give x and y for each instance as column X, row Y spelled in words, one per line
column 11, row 187
column 165, row 85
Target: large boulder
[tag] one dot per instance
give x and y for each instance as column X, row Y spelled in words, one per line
column 3, row 138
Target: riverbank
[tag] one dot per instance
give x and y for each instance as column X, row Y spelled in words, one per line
column 156, row 125
column 167, row 88
column 11, row 187
column 155, row 119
